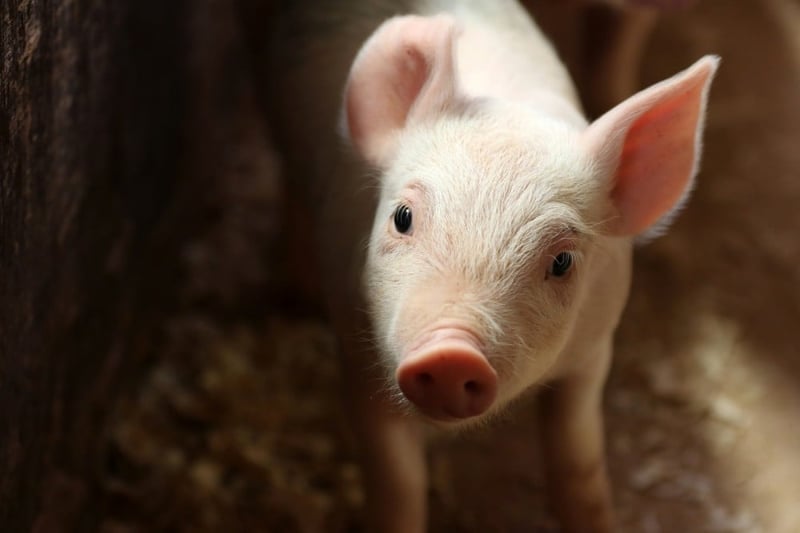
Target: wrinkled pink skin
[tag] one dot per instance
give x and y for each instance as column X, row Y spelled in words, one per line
column 470, row 119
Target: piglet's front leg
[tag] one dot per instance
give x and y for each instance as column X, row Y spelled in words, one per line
column 573, row 450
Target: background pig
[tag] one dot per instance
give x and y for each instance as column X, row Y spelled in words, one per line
column 499, row 237
column 612, row 37
column 615, row 44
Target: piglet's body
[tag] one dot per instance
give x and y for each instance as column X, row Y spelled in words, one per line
column 498, row 226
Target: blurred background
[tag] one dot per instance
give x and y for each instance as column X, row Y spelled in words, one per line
column 158, row 373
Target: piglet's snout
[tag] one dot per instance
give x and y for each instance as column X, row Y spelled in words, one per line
column 448, row 377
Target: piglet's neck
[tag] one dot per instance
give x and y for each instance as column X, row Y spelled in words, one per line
column 515, row 63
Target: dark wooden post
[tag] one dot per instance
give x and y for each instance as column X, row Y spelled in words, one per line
column 91, row 107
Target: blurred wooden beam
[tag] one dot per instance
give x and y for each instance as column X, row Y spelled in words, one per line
column 91, row 105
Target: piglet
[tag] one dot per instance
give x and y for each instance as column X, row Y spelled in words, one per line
column 474, row 232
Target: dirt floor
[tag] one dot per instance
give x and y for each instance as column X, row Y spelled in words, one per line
column 239, row 426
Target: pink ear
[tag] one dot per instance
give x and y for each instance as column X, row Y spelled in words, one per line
column 650, row 144
column 404, row 71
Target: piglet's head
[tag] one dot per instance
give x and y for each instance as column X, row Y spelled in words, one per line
column 494, row 218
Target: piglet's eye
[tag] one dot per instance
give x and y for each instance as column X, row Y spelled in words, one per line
column 562, row 264
column 402, row 219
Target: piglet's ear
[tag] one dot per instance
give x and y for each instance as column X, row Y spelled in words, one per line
column 650, row 145
column 405, row 71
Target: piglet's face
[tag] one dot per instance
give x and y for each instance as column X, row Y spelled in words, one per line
column 474, row 263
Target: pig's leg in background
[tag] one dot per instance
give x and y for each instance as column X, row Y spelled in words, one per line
column 615, row 40
column 574, row 455
column 391, row 447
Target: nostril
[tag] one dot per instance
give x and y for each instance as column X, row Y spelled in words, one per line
column 472, row 388
column 425, row 379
